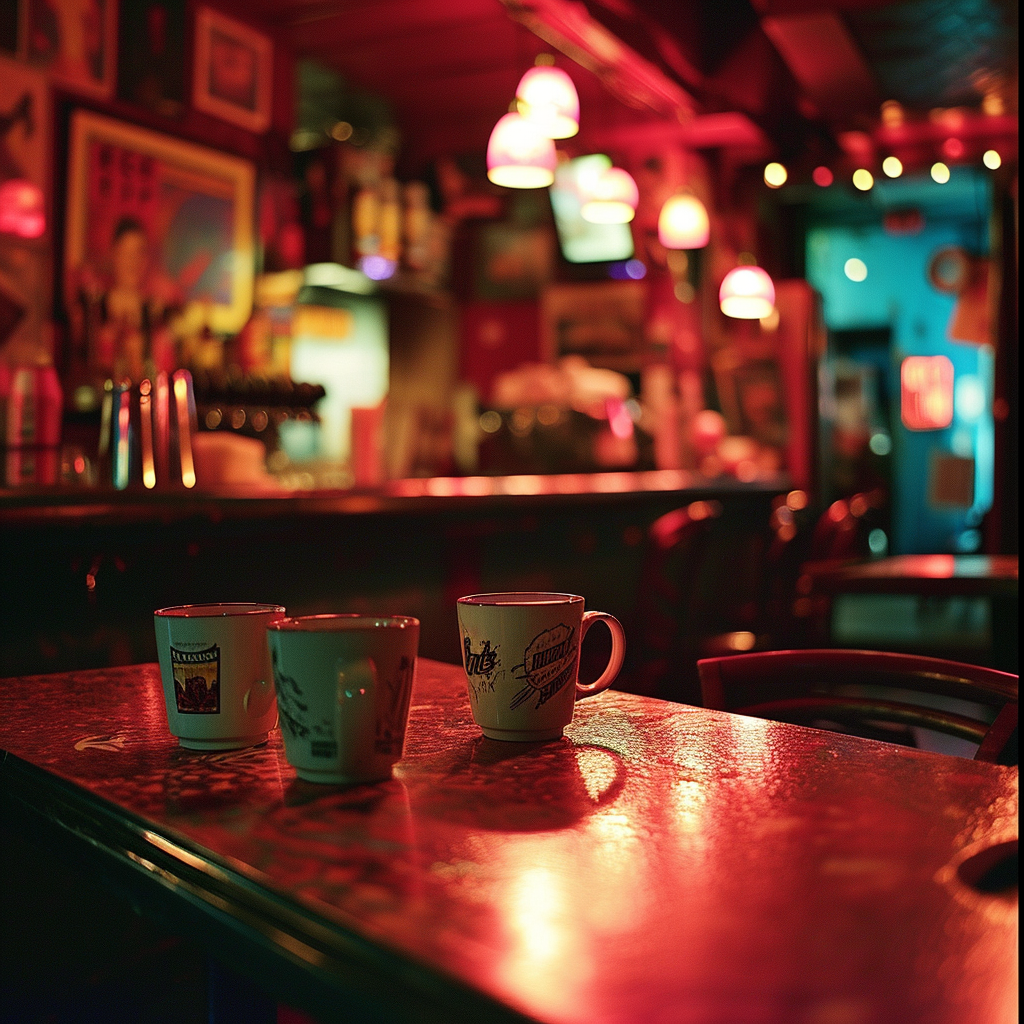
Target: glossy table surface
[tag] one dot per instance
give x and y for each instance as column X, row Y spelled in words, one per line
column 659, row 863
column 938, row 575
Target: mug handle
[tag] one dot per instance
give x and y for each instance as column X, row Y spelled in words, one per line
column 607, row 677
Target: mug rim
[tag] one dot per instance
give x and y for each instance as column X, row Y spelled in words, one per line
column 518, row 599
column 341, row 622
column 218, row 610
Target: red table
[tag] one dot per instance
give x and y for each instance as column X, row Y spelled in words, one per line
column 661, row 863
column 938, row 620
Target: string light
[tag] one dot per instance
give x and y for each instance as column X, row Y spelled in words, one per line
column 863, row 179
column 940, row 173
column 775, row 175
column 892, row 166
column 992, row 160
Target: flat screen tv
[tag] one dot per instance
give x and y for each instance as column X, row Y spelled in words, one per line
column 579, row 240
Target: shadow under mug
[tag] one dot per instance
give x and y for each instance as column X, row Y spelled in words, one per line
column 521, row 654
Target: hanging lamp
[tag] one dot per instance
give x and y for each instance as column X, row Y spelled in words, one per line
column 518, row 155
column 747, row 293
column 683, row 223
column 547, row 98
column 611, row 198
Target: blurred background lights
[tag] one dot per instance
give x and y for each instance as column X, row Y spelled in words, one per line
column 863, row 179
column 953, row 148
column 969, row 397
column 822, row 176
column 775, row 175
column 878, row 542
column 880, row 443
column 892, row 166
column 855, row 269
column 992, row 160
column 940, row 173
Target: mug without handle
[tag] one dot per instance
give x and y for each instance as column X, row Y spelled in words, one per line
column 608, row 676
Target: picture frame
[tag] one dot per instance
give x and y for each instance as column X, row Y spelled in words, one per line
column 73, row 43
column 191, row 206
column 601, row 321
column 25, row 231
column 233, row 70
column 151, row 59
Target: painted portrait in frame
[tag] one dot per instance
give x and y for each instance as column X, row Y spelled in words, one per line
column 233, row 71
column 25, row 266
column 73, row 41
column 155, row 228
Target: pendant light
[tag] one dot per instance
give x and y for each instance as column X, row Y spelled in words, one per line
column 612, row 198
column 747, row 293
column 547, row 98
column 683, row 223
column 518, row 155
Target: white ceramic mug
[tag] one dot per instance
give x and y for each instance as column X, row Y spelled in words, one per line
column 343, row 689
column 521, row 654
column 215, row 667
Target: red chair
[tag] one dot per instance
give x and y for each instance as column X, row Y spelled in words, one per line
column 855, row 689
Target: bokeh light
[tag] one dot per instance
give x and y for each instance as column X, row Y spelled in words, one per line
column 992, row 160
column 855, row 269
column 892, row 166
column 863, row 179
column 822, row 176
column 775, row 175
column 940, row 173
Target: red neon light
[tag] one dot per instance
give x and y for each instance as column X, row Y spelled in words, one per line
column 21, row 209
column 926, row 392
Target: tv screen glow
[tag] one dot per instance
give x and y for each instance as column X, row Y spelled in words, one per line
column 579, row 240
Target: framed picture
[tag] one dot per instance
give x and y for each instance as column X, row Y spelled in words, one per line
column 601, row 321
column 152, row 44
column 72, row 41
column 25, row 267
column 233, row 71
column 153, row 226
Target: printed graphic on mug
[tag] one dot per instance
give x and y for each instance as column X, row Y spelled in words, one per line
column 196, row 680
column 481, row 666
column 393, row 710
column 549, row 664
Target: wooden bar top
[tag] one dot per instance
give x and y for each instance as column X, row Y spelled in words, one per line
column 660, row 863
column 42, row 506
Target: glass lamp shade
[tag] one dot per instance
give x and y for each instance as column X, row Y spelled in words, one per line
column 747, row 293
column 683, row 223
column 518, row 155
column 547, row 98
column 611, row 198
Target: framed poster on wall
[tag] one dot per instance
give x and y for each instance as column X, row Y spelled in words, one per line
column 155, row 224
column 233, row 71
column 72, row 41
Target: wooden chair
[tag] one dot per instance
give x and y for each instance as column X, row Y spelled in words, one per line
column 858, row 688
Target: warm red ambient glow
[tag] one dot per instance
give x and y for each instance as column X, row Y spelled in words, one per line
column 926, row 392
column 21, row 209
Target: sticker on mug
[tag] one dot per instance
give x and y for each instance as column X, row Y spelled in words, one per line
column 549, row 663
column 197, row 680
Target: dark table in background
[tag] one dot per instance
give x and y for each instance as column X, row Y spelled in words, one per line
column 661, row 863
column 934, row 581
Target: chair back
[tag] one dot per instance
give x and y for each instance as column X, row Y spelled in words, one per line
column 850, row 687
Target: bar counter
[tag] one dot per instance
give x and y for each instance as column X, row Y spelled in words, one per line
column 109, row 558
column 660, row 863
